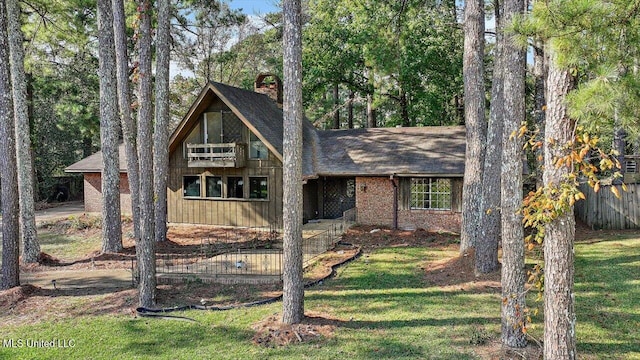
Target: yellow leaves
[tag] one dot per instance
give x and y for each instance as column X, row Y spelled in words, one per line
column 579, row 196
column 596, row 186
column 615, row 191
column 530, row 246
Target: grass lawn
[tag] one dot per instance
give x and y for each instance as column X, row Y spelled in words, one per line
column 387, row 309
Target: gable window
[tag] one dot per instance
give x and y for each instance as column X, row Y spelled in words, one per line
column 235, row 187
column 191, row 186
column 213, row 186
column 257, row 149
column 258, row 188
column 430, row 193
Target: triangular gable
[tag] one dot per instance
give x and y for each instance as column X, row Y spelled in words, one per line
column 250, row 107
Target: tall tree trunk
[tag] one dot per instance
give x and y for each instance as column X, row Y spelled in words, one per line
column 352, row 96
column 404, row 109
column 540, row 74
column 487, row 243
column 124, row 104
column 31, row 248
column 161, row 130
column 371, row 110
column 513, row 271
column 559, row 309
column 336, row 107
column 474, row 103
column 293, row 287
column 9, row 191
column 145, row 247
column 109, row 125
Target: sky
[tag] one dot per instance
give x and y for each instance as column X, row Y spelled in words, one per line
column 254, row 7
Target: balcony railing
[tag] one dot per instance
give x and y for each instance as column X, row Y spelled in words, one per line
column 230, row 155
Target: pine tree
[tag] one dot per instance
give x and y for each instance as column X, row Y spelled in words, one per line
column 109, row 130
column 474, row 107
column 124, row 105
column 161, row 129
column 145, row 247
column 10, row 231
column 513, row 271
column 31, row 248
column 293, row 287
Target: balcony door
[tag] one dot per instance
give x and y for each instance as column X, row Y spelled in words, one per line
column 221, row 127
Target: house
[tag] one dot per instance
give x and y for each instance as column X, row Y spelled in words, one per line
column 226, row 167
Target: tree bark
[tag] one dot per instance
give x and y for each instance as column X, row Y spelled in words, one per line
column 336, row 107
column 371, row 110
column 145, row 247
column 559, row 309
column 9, row 188
column 31, row 248
column 124, row 104
column 486, row 255
column 474, row 106
column 539, row 73
column 293, row 287
column 513, row 271
column 109, row 124
column 352, row 96
column 161, row 130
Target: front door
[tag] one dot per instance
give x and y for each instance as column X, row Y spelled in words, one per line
column 339, row 196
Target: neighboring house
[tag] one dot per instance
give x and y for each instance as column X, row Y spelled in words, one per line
column 226, row 167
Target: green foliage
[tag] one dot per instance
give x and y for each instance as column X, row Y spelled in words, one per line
column 408, row 55
column 598, row 40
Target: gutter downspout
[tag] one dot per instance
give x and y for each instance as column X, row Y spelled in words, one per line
column 395, row 201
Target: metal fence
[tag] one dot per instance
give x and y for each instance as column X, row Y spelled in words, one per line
column 215, row 259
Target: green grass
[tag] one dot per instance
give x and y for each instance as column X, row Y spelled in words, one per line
column 388, row 309
column 63, row 246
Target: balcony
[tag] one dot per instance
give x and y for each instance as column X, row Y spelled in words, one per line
column 225, row 155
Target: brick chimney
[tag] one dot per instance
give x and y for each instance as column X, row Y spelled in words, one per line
column 269, row 85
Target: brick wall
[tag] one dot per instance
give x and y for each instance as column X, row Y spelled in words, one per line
column 93, row 193
column 374, row 203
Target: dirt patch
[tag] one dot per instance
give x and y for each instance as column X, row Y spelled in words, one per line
column 371, row 237
column 314, row 327
column 458, row 274
column 494, row 350
column 30, row 304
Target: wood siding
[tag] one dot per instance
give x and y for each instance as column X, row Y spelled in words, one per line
column 223, row 211
column 603, row 210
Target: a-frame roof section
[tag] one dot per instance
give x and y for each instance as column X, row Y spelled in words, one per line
column 257, row 111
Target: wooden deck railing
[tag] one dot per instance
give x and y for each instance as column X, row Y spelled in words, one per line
column 216, row 155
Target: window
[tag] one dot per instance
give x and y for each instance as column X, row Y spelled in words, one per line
column 258, row 188
column 235, row 187
column 257, row 149
column 430, row 193
column 191, row 186
column 213, row 186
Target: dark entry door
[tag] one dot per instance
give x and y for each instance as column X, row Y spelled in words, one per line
column 339, row 196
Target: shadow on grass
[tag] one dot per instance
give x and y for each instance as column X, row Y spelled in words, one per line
column 153, row 338
column 395, row 324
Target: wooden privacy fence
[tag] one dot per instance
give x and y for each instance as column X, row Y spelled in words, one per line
column 603, row 210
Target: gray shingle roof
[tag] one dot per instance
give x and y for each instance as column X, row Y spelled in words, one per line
column 435, row 150
column 93, row 163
